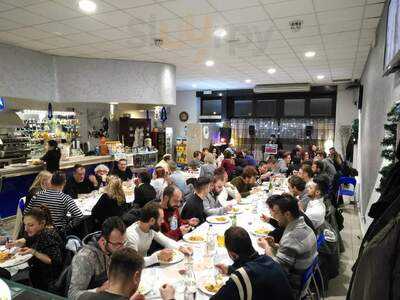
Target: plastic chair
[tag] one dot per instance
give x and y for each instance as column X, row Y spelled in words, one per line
column 308, row 277
column 19, row 217
column 347, row 192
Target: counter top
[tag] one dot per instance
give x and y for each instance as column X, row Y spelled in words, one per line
column 64, row 164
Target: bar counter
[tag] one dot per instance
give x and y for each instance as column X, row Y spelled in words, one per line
column 15, row 181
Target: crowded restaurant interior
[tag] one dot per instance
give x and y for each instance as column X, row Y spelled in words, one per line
column 199, row 149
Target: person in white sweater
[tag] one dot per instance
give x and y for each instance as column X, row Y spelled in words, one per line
column 229, row 191
column 141, row 234
column 316, row 209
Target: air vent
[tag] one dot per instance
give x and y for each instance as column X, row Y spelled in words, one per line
column 296, row 25
column 342, row 80
column 282, row 88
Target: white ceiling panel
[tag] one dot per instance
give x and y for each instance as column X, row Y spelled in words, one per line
column 340, row 27
column 85, row 24
column 53, row 11
column 83, row 38
column 322, row 5
column 374, row 10
column 232, row 4
column 289, row 8
column 5, row 6
column 151, row 13
column 121, row 4
column 245, row 15
column 8, row 25
column 117, row 19
column 57, row 28
column 31, row 33
column 185, row 8
column 206, row 20
column 10, row 38
column 340, row 15
column 308, row 20
column 23, row 17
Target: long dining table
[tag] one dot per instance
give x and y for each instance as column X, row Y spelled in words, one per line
column 247, row 216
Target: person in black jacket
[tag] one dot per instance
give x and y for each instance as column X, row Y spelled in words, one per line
column 122, row 171
column 144, row 191
column 194, row 207
column 52, row 156
column 111, row 203
column 252, row 276
column 78, row 183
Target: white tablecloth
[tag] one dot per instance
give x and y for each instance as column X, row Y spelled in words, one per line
column 203, row 264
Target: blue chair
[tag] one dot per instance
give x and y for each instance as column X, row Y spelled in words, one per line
column 343, row 191
column 308, row 277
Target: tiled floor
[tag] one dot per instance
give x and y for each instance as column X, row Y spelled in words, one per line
column 351, row 235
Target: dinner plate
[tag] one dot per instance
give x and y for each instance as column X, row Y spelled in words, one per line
column 235, row 210
column 18, row 259
column 245, row 201
column 259, row 234
column 177, row 257
column 217, row 219
column 202, row 285
column 187, row 237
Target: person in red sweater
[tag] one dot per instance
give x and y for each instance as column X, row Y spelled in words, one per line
column 174, row 226
column 229, row 164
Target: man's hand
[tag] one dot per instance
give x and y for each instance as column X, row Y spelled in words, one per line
column 165, row 255
column 228, row 208
column 93, row 180
column 223, row 269
column 186, row 250
column 184, row 229
column 265, row 218
column 271, row 242
column 25, row 251
column 263, row 243
column 167, row 292
column 137, row 296
column 102, row 288
column 194, row 222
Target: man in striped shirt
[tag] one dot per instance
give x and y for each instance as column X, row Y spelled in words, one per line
column 297, row 248
column 58, row 203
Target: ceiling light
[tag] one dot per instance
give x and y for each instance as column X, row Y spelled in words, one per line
column 220, row 32
column 271, row 70
column 87, row 6
column 209, row 63
column 247, row 80
column 194, row 85
column 114, row 103
column 220, row 94
column 309, row 54
column 320, row 77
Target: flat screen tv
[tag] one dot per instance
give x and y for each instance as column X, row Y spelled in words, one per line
column 392, row 50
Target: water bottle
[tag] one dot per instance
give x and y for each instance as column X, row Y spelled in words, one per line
column 234, row 219
column 190, row 280
column 211, row 237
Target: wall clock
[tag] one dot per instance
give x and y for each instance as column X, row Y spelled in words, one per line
column 183, row 116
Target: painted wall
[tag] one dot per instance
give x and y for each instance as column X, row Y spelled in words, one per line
column 379, row 95
column 185, row 101
column 346, row 112
column 27, row 74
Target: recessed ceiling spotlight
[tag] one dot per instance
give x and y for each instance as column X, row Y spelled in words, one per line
column 194, row 85
column 209, row 63
column 309, row 54
column 271, row 70
column 220, row 94
column 320, row 77
column 87, row 6
column 220, row 32
column 247, row 80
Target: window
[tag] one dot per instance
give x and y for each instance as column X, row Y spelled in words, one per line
column 211, row 107
column 266, row 108
column 294, row 107
column 243, row 108
column 321, row 107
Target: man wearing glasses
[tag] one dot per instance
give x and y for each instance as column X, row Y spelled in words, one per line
column 90, row 265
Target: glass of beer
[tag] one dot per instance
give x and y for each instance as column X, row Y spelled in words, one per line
column 220, row 239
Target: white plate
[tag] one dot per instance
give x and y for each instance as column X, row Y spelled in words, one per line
column 253, row 231
column 18, row 259
column 214, row 220
column 187, row 236
column 178, row 257
column 245, row 201
column 202, row 283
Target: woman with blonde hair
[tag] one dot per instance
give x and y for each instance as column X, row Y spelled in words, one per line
column 111, row 203
column 41, row 182
column 209, row 166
